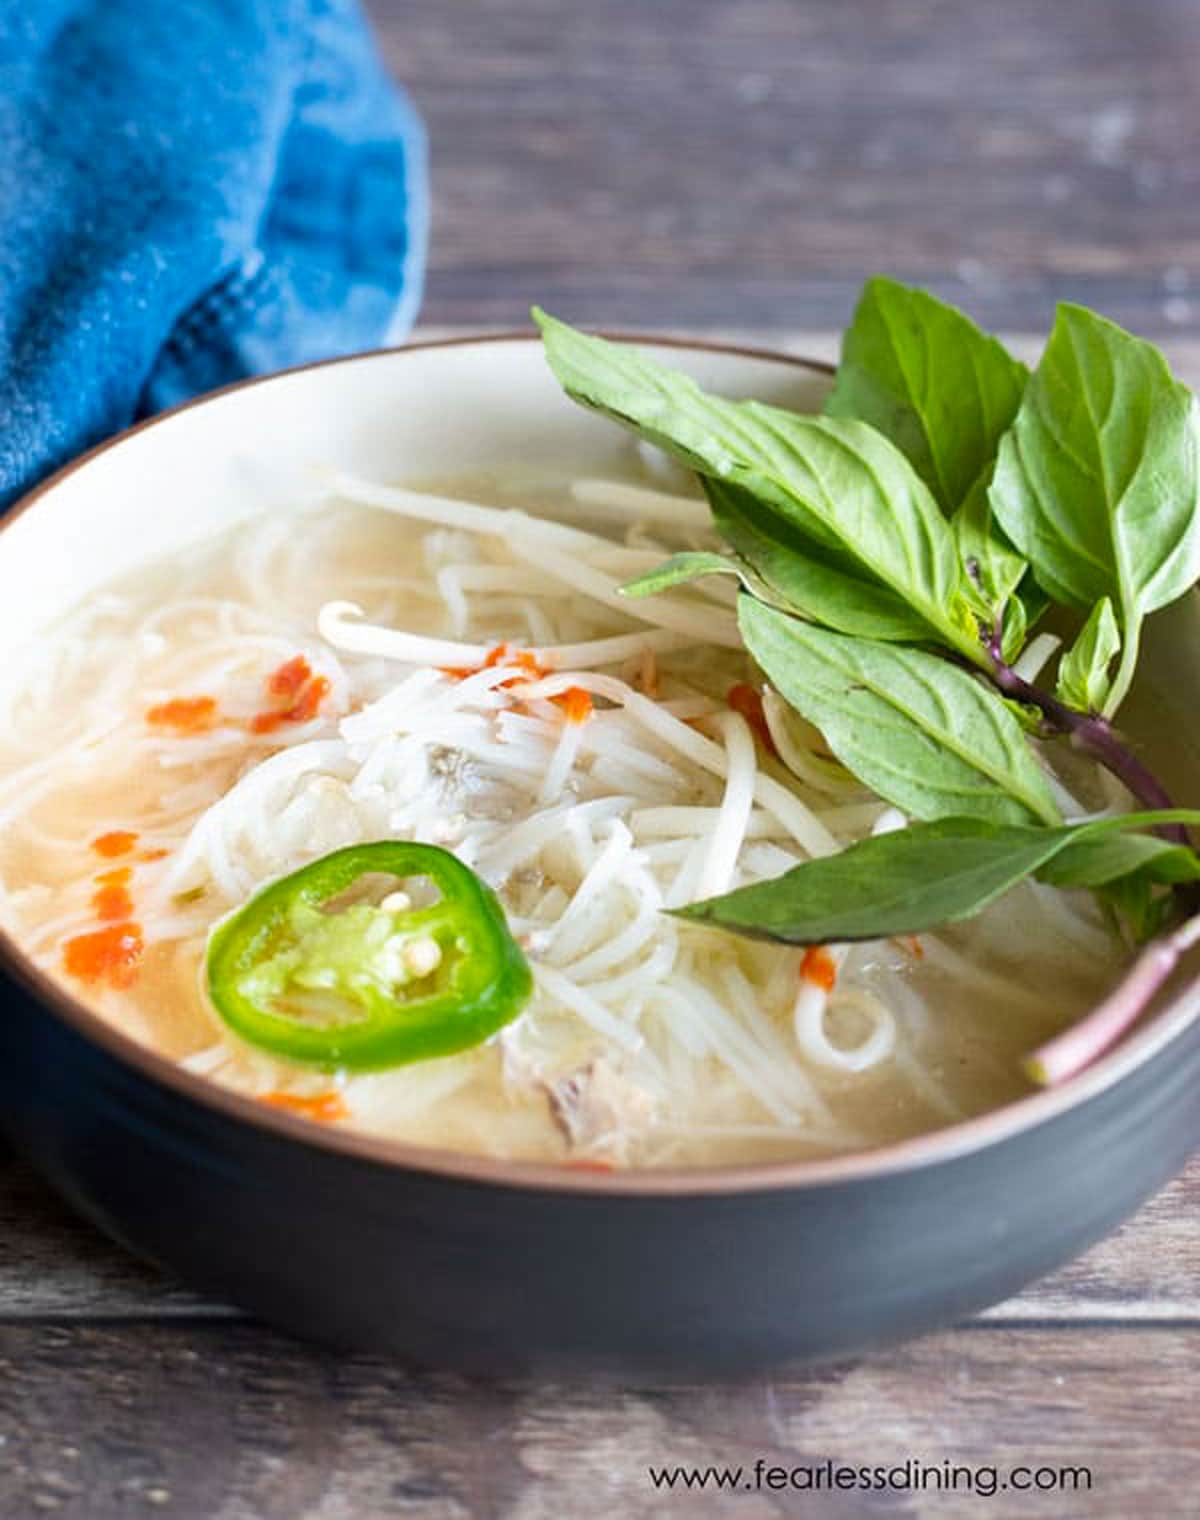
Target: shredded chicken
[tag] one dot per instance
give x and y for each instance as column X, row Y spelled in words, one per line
column 594, row 1107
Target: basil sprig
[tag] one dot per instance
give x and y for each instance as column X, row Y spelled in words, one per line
column 893, row 556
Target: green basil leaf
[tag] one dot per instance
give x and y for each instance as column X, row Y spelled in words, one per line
column 1096, row 860
column 1014, row 629
column 901, row 883
column 1134, row 899
column 1027, row 605
column 919, row 731
column 1096, row 483
column 836, row 483
column 679, row 569
column 906, row 882
column 1132, row 873
column 1083, row 680
column 831, row 594
column 1034, row 601
column 921, row 372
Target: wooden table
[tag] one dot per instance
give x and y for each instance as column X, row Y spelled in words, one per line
column 695, row 164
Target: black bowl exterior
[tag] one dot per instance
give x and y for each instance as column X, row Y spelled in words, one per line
column 463, row 1273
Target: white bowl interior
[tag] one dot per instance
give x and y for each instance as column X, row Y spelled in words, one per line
column 415, row 413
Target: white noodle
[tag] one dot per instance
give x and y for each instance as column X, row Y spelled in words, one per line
column 589, row 1008
column 571, row 931
column 1034, row 656
column 340, row 623
column 503, row 522
column 641, row 504
column 667, row 822
column 799, row 820
column 821, row 775
column 729, row 832
column 678, row 613
column 811, row 1014
column 586, row 829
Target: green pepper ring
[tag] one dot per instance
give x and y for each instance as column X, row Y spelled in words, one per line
column 489, row 979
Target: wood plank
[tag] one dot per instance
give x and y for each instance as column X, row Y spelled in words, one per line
column 696, row 163
column 234, row 1422
column 53, row 1266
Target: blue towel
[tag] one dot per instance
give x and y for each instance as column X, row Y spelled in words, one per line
column 190, row 191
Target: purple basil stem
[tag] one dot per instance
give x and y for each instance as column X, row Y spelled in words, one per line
column 1092, row 735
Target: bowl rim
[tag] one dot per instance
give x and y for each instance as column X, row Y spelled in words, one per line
column 930, row 1148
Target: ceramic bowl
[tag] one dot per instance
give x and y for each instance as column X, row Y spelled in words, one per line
column 456, row 1261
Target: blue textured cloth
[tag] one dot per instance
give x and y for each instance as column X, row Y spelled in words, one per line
column 190, row 191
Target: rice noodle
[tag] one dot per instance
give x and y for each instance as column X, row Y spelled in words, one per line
column 800, row 821
column 339, row 623
column 821, row 775
column 729, row 831
column 642, row 504
column 506, row 522
column 700, row 1045
column 678, row 613
column 811, row 1017
column 1034, row 656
